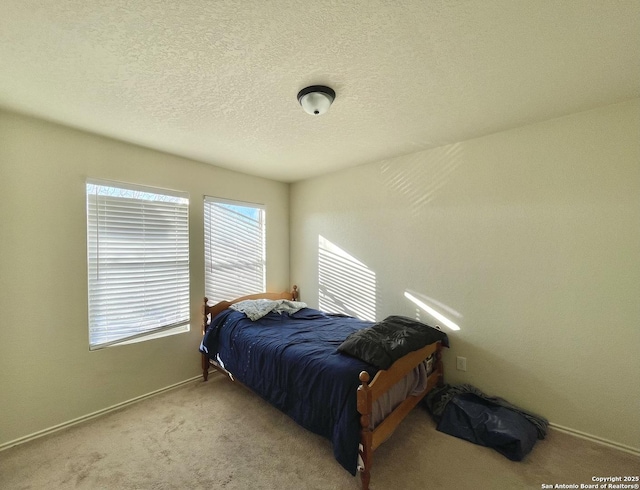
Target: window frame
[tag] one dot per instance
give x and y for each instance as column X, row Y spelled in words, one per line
column 244, row 287
column 125, row 255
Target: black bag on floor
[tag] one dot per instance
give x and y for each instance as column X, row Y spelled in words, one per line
column 477, row 420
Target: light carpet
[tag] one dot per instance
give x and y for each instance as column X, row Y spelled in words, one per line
column 218, row 435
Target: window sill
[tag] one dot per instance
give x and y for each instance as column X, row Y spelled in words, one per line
column 143, row 338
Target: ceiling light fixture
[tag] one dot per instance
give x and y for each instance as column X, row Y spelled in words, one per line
column 317, row 99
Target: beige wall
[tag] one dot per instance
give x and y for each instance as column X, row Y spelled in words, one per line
column 47, row 374
column 528, row 239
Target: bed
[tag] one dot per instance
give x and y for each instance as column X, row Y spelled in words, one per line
column 296, row 360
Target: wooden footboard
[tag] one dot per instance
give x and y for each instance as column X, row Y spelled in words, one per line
column 369, row 392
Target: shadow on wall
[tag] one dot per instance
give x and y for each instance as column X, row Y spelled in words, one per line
column 345, row 285
column 434, row 309
column 422, row 175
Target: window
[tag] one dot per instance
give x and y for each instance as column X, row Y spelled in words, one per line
column 234, row 243
column 138, row 262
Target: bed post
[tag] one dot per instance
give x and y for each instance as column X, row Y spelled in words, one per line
column 294, row 293
column 365, row 407
column 439, row 365
column 205, row 358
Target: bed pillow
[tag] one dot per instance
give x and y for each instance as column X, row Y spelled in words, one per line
column 255, row 309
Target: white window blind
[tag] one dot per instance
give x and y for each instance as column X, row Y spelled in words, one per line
column 234, row 249
column 138, row 261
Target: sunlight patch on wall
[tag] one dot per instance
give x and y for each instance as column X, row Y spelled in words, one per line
column 433, row 312
column 422, row 176
column 346, row 285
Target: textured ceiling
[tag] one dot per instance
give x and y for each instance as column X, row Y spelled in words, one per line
column 216, row 81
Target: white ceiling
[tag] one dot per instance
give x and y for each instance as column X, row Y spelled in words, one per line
column 216, row 80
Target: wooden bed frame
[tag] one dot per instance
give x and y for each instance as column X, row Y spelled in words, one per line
column 369, row 390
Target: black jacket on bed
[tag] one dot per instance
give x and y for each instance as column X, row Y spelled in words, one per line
column 389, row 340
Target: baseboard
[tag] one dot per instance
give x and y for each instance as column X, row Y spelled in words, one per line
column 84, row 418
column 597, row 440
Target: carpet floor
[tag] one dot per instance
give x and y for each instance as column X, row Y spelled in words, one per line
column 218, row 435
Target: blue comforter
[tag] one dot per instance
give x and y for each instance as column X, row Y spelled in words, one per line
column 292, row 362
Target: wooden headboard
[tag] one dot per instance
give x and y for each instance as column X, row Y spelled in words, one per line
column 207, row 310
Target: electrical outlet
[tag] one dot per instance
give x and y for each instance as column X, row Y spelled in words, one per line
column 461, row 363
